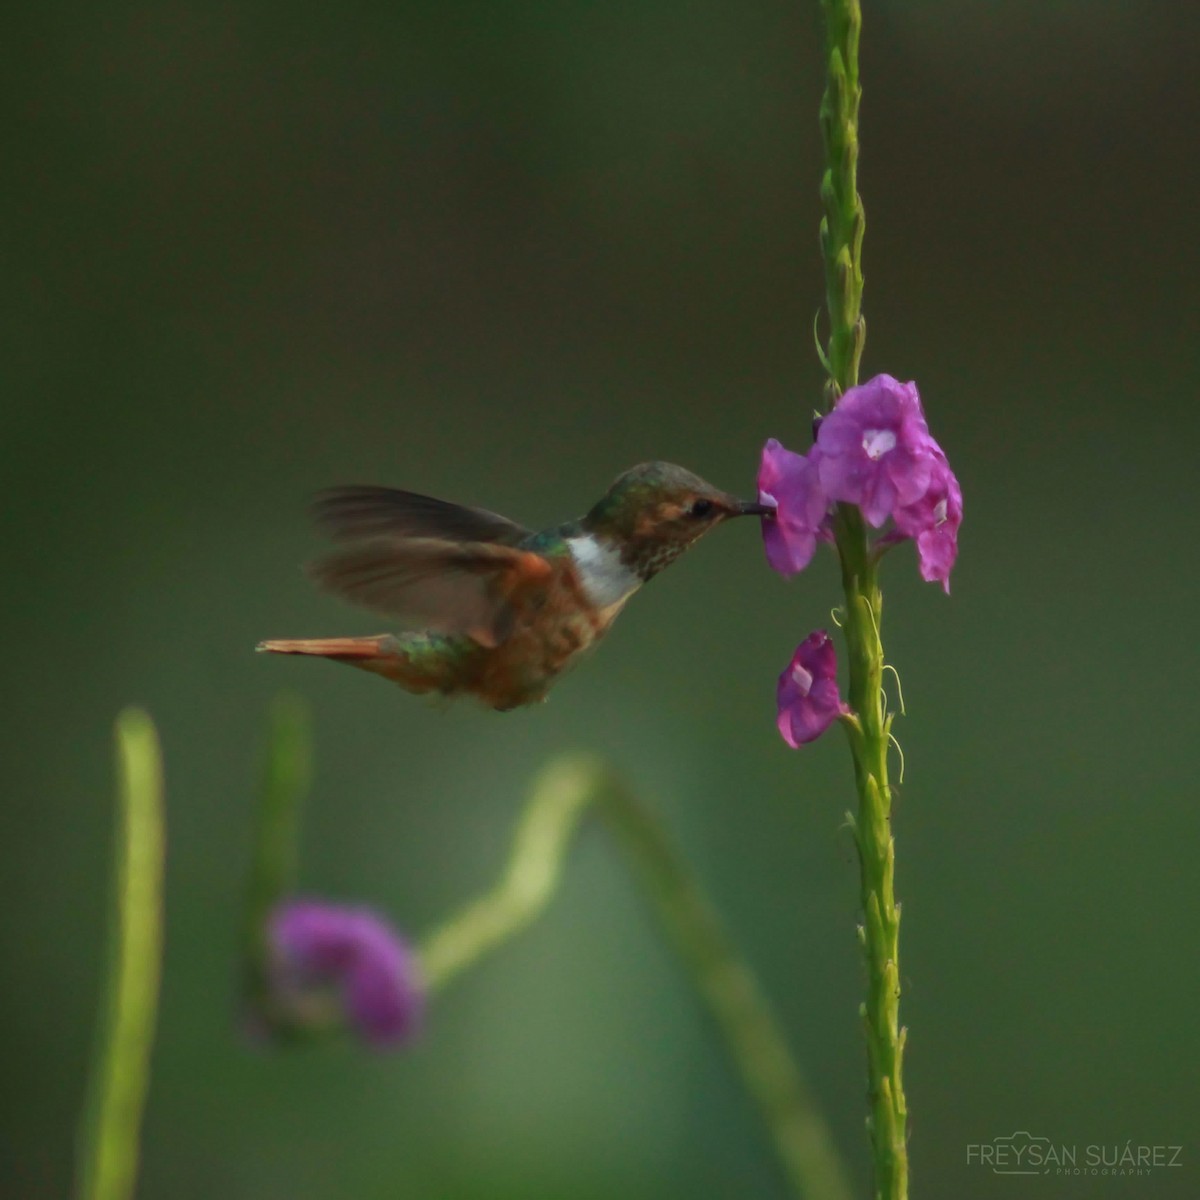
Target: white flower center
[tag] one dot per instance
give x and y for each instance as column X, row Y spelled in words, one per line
column 939, row 512
column 802, row 679
column 877, row 442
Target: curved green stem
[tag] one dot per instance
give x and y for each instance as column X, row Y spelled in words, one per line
column 109, row 1136
column 561, row 796
column 842, row 230
column 535, row 864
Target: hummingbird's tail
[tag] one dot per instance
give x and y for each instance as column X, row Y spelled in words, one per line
column 413, row 662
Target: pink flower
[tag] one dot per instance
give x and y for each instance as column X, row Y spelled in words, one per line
column 875, row 449
column 319, row 946
column 790, row 484
column 808, row 697
column 933, row 521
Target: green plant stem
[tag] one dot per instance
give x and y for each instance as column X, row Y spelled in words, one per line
column 842, row 230
column 844, row 223
column 880, row 931
column 109, row 1136
column 561, row 796
column 275, row 855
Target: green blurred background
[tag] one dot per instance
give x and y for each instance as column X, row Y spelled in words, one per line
column 499, row 252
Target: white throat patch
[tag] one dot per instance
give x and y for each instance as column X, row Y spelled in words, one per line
column 606, row 579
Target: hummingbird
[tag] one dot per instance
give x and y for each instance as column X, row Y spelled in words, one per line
column 489, row 608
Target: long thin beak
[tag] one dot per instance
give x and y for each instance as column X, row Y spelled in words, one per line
column 751, row 508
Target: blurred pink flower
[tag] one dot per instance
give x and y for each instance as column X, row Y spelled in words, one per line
column 317, row 946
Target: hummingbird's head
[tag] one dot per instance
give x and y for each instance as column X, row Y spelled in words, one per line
column 656, row 510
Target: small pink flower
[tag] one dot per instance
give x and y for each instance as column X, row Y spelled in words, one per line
column 875, row 449
column 791, row 484
column 933, row 521
column 319, row 946
column 808, row 697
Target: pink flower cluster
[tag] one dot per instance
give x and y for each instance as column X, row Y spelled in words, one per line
column 873, row 450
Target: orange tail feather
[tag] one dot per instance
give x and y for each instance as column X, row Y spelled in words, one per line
column 381, row 655
column 345, row 647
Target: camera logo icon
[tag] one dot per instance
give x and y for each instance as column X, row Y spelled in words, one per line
column 1019, row 1153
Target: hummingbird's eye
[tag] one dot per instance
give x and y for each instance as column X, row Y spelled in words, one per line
column 701, row 508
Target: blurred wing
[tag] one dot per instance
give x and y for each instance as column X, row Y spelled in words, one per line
column 347, row 513
column 451, row 587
